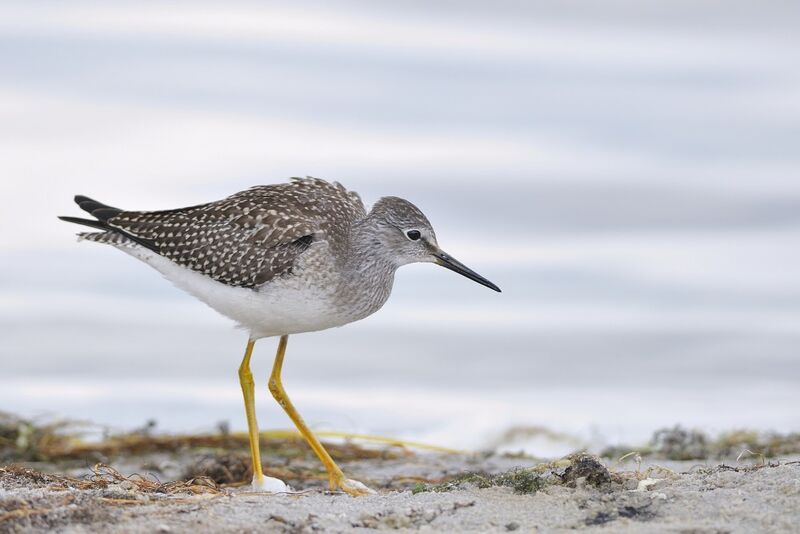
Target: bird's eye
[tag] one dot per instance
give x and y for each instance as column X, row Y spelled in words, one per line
column 413, row 235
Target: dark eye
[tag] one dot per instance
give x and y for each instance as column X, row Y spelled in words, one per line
column 413, row 235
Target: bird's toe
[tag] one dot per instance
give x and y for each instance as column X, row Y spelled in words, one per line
column 270, row 485
column 356, row 488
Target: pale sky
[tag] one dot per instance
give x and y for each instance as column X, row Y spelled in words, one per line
column 627, row 173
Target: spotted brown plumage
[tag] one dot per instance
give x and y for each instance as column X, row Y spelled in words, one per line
column 244, row 240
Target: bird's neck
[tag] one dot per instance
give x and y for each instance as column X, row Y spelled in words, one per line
column 369, row 269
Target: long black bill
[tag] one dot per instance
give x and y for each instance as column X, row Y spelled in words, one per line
column 449, row 262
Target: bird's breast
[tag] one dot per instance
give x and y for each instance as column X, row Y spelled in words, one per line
column 322, row 293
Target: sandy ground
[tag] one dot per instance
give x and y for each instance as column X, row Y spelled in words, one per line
column 686, row 497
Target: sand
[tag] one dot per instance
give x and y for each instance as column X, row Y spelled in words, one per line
column 687, row 496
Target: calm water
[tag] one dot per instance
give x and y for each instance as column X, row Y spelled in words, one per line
column 627, row 175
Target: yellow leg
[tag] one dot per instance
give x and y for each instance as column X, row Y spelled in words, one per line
column 260, row 482
column 336, row 477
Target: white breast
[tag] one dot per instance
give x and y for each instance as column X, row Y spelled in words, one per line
column 287, row 305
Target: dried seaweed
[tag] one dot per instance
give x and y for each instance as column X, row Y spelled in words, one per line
column 24, row 440
column 678, row 443
column 103, row 477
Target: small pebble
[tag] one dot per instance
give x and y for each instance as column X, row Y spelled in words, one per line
column 630, row 484
column 645, row 484
column 127, row 485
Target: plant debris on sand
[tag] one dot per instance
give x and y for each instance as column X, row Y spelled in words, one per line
column 678, row 443
column 520, row 480
column 25, row 440
column 199, row 483
column 576, row 469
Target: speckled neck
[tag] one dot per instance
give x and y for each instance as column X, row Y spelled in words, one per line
column 369, row 272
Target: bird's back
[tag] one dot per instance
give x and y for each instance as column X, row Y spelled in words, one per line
column 246, row 239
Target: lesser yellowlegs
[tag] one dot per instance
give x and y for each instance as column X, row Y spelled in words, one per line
column 280, row 259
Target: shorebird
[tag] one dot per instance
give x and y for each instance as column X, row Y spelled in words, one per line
column 279, row 259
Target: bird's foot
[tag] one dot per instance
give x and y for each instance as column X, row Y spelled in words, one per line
column 352, row 487
column 270, row 485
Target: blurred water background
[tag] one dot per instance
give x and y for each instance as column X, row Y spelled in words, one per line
column 628, row 173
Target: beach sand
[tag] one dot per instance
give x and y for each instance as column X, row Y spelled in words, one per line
column 431, row 492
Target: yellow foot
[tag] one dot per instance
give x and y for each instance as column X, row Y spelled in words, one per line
column 350, row 486
column 270, row 485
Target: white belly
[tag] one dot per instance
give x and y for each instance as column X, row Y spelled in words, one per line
column 284, row 306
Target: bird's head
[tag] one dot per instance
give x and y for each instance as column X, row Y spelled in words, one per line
column 406, row 236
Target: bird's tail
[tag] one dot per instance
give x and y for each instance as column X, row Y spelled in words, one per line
column 102, row 214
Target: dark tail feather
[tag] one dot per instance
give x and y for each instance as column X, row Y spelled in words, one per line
column 103, row 214
column 100, row 225
column 96, row 209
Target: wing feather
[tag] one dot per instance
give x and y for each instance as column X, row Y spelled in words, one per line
column 251, row 237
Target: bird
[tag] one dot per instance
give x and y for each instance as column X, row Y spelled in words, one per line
column 279, row 259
